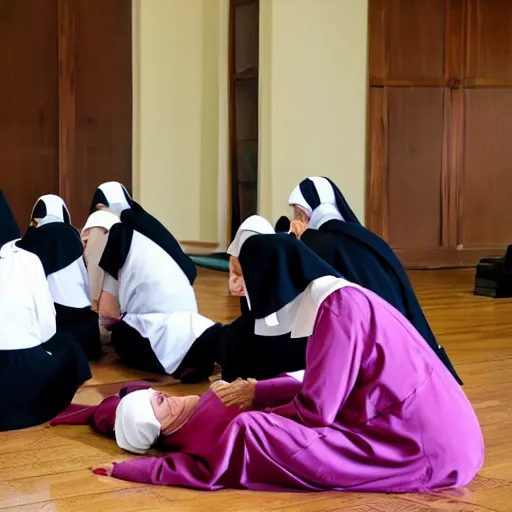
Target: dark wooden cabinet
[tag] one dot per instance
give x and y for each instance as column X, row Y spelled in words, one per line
column 440, row 163
column 243, row 100
column 65, row 100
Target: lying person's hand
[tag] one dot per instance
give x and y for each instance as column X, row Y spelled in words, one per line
column 240, row 393
column 105, row 470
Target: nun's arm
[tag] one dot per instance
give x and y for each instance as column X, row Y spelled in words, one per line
column 108, row 305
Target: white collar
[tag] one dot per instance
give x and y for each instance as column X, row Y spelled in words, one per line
column 283, row 319
column 324, row 213
column 314, row 295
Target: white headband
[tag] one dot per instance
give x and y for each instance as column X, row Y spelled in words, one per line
column 254, row 225
column 54, row 208
column 115, row 194
column 101, row 219
column 136, row 427
column 327, row 210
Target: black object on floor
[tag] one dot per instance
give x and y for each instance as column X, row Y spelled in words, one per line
column 494, row 276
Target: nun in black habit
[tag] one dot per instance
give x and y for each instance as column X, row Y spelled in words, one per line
column 147, row 301
column 335, row 234
column 40, row 367
column 259, row 348
column 114, row 196
column 9, row 230
column 58, row 245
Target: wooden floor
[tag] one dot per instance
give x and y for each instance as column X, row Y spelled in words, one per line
column 43, row 469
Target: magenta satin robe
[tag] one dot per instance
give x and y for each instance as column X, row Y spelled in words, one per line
column 377, row 411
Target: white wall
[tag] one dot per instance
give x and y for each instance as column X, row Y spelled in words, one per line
column 313, row 66
column 313, row 90
column 177, row 108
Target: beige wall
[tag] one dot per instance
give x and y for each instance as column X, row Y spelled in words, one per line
column 313, row 62
column 179, row 111
column 312, row 106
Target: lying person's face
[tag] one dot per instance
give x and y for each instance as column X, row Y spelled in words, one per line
column 172, row 411
column 236, row 279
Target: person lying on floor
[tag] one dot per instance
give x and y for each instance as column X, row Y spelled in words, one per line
column 9, row 230
column 114, row 196
column 376, row 409
column 160, row 329
column 40, row 368
column 57, row 244
column 326, row 224
column 139, row 417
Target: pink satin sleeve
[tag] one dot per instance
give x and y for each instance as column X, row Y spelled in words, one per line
column 277, row 391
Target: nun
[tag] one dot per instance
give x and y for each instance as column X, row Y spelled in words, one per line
column 326, row 224
column 360, row 419
column 9, row 230
column 53, row 239
column 40, row 368
column 114, row 196
column 261, row 348
column 147, row 301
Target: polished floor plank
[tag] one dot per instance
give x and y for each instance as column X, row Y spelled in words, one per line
column 48, row 469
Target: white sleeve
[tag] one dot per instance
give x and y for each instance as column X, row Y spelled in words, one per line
column 44, row 305
column 111, row 285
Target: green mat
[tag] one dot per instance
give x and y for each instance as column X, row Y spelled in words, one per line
column 217, row 261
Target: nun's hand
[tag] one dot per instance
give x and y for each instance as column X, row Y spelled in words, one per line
column 105, row 470
column 297, row 227
column 240, row 393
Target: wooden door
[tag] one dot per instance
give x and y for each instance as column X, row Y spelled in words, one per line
column 244, row 57
column 29, row 113
column 65, row 100
column 486, row 178
column 96, row 98
column 430, row 133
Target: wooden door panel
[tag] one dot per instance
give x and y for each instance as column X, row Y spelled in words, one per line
column 415, row 161
column 486, row 189
column 407, row 40
column 29, row 129
column 489, row 42
column 246, row 33
column 103, row 100
column 246, row 109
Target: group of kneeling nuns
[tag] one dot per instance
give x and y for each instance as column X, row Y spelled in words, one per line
column 331, row 376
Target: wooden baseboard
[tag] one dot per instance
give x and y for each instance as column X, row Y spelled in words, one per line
column 197, row 247
column 445, row 257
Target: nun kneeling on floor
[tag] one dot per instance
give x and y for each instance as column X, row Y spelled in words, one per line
column 54, row 240
column 40, row 368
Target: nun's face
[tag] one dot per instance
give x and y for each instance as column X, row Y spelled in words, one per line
column 236, row 278
column 300, row 214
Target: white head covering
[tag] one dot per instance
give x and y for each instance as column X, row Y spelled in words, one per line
column 55, row 210
column 94, row 251
column 116, row 195
column 327, row 210
column 253, row 225
column 136, row 427
column 101, row 219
